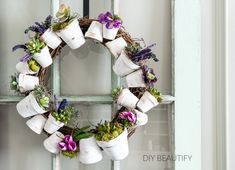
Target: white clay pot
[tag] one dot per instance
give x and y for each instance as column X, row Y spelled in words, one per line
column 23, row 67
column 127, row 99
column 51, row 39
column 72, row 35
column 52, row 125
column 109, row 34
column 116, row 46
column 147, row 102
column 117, row 148
column 36, row 123
column 135, row 79
column 95, row 31
column 124, row 65
column 89, row 152
column 51, row 143
column 29, row 106
column 44, row 57
column 141, row 118
column 27, row 82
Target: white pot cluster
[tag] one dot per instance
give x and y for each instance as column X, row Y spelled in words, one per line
column 98, row 31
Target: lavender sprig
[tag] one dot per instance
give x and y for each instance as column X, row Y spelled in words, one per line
column 16, row 47
column 144, row 54
column 63, row 104
column 40, row 27
column 26, row 57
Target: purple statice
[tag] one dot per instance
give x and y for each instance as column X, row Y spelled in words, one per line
column 129, row 116
column 144, row 54
column 67, row 144
column 63, row 104
column 40, row 27
column 110, row 21
column 148, row 76
column 27, row 56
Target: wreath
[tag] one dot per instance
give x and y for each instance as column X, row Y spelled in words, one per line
column 46, row 114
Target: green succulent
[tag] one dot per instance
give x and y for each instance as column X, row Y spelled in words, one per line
column 108, row 131
column 82, row 133
column 35, row 45
column 33, row 65
column 155, row 93
column 132, row 49
column 70, row 154
column 65, row 114
column 116, row 92
column 42, row 97
column 64, row 18
column 150, row 76
column 14, row 83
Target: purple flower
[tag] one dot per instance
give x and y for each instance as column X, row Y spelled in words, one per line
column 128, row 116
column 26, row 57
column 67, row 144
column 62, row 146
column 149, row 76
column 63, row 104
column 109, row 20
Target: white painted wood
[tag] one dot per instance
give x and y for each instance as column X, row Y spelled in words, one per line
column 187, row 52
column 230, row 41
column 221, row 78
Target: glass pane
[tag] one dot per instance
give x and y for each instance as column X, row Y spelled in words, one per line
column 90, row 115
column 151, row 141
column 21, row 148
column 85, row 71
column 15, row 18
column 151, row 20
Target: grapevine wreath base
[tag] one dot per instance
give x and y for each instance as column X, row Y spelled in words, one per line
column 49, row 116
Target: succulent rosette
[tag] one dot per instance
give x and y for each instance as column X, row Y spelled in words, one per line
column 110, row 21
column 68, row 146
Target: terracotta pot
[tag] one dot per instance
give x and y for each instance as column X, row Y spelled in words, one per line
column 147, row 102
column 72, row 35
column 51, row 143
column 52, row 125
column 141, row 118
column 44, row 57
column 89, row 153
column 135, row 79
column 95, row 31
column 23, row 67
column 109, row 34
column 127, row 99
column 116, row 46
column 36, row 123
column 117, row 148
column 51, row 39
column 27, row 82
column 124, row 66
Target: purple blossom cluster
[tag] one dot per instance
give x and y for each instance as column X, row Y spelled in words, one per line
column 67, row 144
column 40, row 27
column 109, row 20
column 127, row 116
column 148, row 76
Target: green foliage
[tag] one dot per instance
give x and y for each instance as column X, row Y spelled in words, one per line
column 150, row 76
column 33, row 65
column 82, row 133
column 116, row 92
column 35, row 45
column 70, row 154
column 65, row 114
column 155, row 93
column 132, row 49
column 14, row 83
column 64, row 18
column 108, row 131
column 43, row 98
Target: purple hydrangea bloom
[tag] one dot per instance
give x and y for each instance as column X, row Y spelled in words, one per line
column 127, row 116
